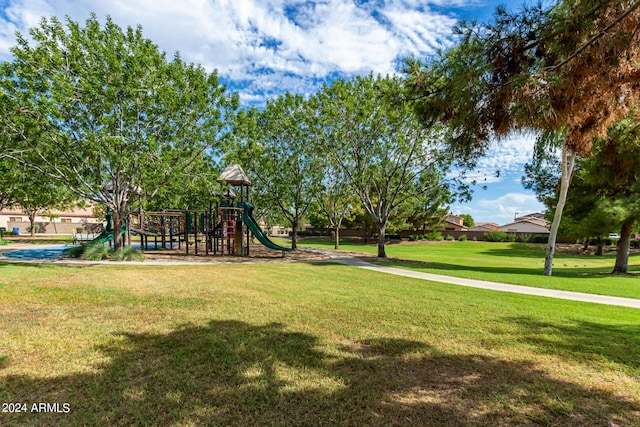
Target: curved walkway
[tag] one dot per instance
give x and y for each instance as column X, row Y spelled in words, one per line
column 526, row 290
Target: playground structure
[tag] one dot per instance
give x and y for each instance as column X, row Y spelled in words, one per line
column 225, row 228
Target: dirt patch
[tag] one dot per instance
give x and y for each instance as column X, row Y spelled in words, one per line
column 257, row 253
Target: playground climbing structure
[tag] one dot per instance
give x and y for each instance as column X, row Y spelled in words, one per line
column 225, row 228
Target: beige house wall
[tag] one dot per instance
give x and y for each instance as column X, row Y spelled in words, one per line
column 66, row 222
column 524, row 227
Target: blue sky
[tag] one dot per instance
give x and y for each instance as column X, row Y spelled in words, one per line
column 262, row 48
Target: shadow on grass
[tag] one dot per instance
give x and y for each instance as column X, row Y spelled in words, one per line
column 35, row 264
column 435, row 267
column 521, row 250
column 23, row 264
column 582, row 340
column 235, row 373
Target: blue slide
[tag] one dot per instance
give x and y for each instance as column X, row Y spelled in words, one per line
column 257, row 231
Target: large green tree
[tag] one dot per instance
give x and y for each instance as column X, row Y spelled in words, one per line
column 7, row 190
column 570, row 68
column 34, row 193
column 612, row 172
column 194, row 188
column 335, row 201
column 276, row 148
column 104, row 112
column 583, row 216
column 385, row 155
column 605, row 187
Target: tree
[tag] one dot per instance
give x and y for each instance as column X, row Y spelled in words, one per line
column 7, row 189
column 468, row 220
column 605, row 187
column 194, row 188
column 387, row 158
column 426, row 211
column 35, row 194
column 276, row 145
column 570, row 68
column 583, row 216
column 618, row 156
column 103, row 112
column 336, row 200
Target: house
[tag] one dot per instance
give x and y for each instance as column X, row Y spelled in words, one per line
column 54, row 222
column 454, row 223
column 484, row 226
column 532, row 223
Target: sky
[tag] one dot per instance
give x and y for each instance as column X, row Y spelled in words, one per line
column 262, row 48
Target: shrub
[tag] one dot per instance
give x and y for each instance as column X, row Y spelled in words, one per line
column 540, row 239
column 96, row 252
column 310, row 233
column 79, row 230
column 496, row 236
column 525, row 237
column 475, row 239
column 511, row 238
column 388, row 236
column 433, row 235
column 75, row 251
column 127, row 254
column 462, row 238
column 449, row 238
column 36, row 228
column 413, row 237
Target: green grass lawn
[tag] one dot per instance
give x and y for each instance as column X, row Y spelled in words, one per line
column 515, row 263
column 305, row 344
column 39, row 239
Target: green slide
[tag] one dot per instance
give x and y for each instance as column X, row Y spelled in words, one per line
column 257, row 231
column 103, row 237
column 107, row 234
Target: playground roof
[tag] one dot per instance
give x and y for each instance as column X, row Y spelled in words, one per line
column 234, row 175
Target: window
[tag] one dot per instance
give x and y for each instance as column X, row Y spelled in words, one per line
column 15, row 219
column 65, row 220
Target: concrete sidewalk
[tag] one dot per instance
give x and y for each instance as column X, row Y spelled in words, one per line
column 527, row 290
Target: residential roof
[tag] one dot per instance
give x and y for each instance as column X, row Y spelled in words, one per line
column 484, row 226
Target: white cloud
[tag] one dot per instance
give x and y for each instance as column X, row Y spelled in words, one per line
column 505, row 159
column 501, row 209
column 504, row 208
column 295, row 42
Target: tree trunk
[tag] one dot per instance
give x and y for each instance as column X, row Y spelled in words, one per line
column 117, row 230
column 32, row 222
column 294, row 235
column 381, row 237
column 622, row 254
column 568, row 162
column 600, row 248
column 336, row 241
